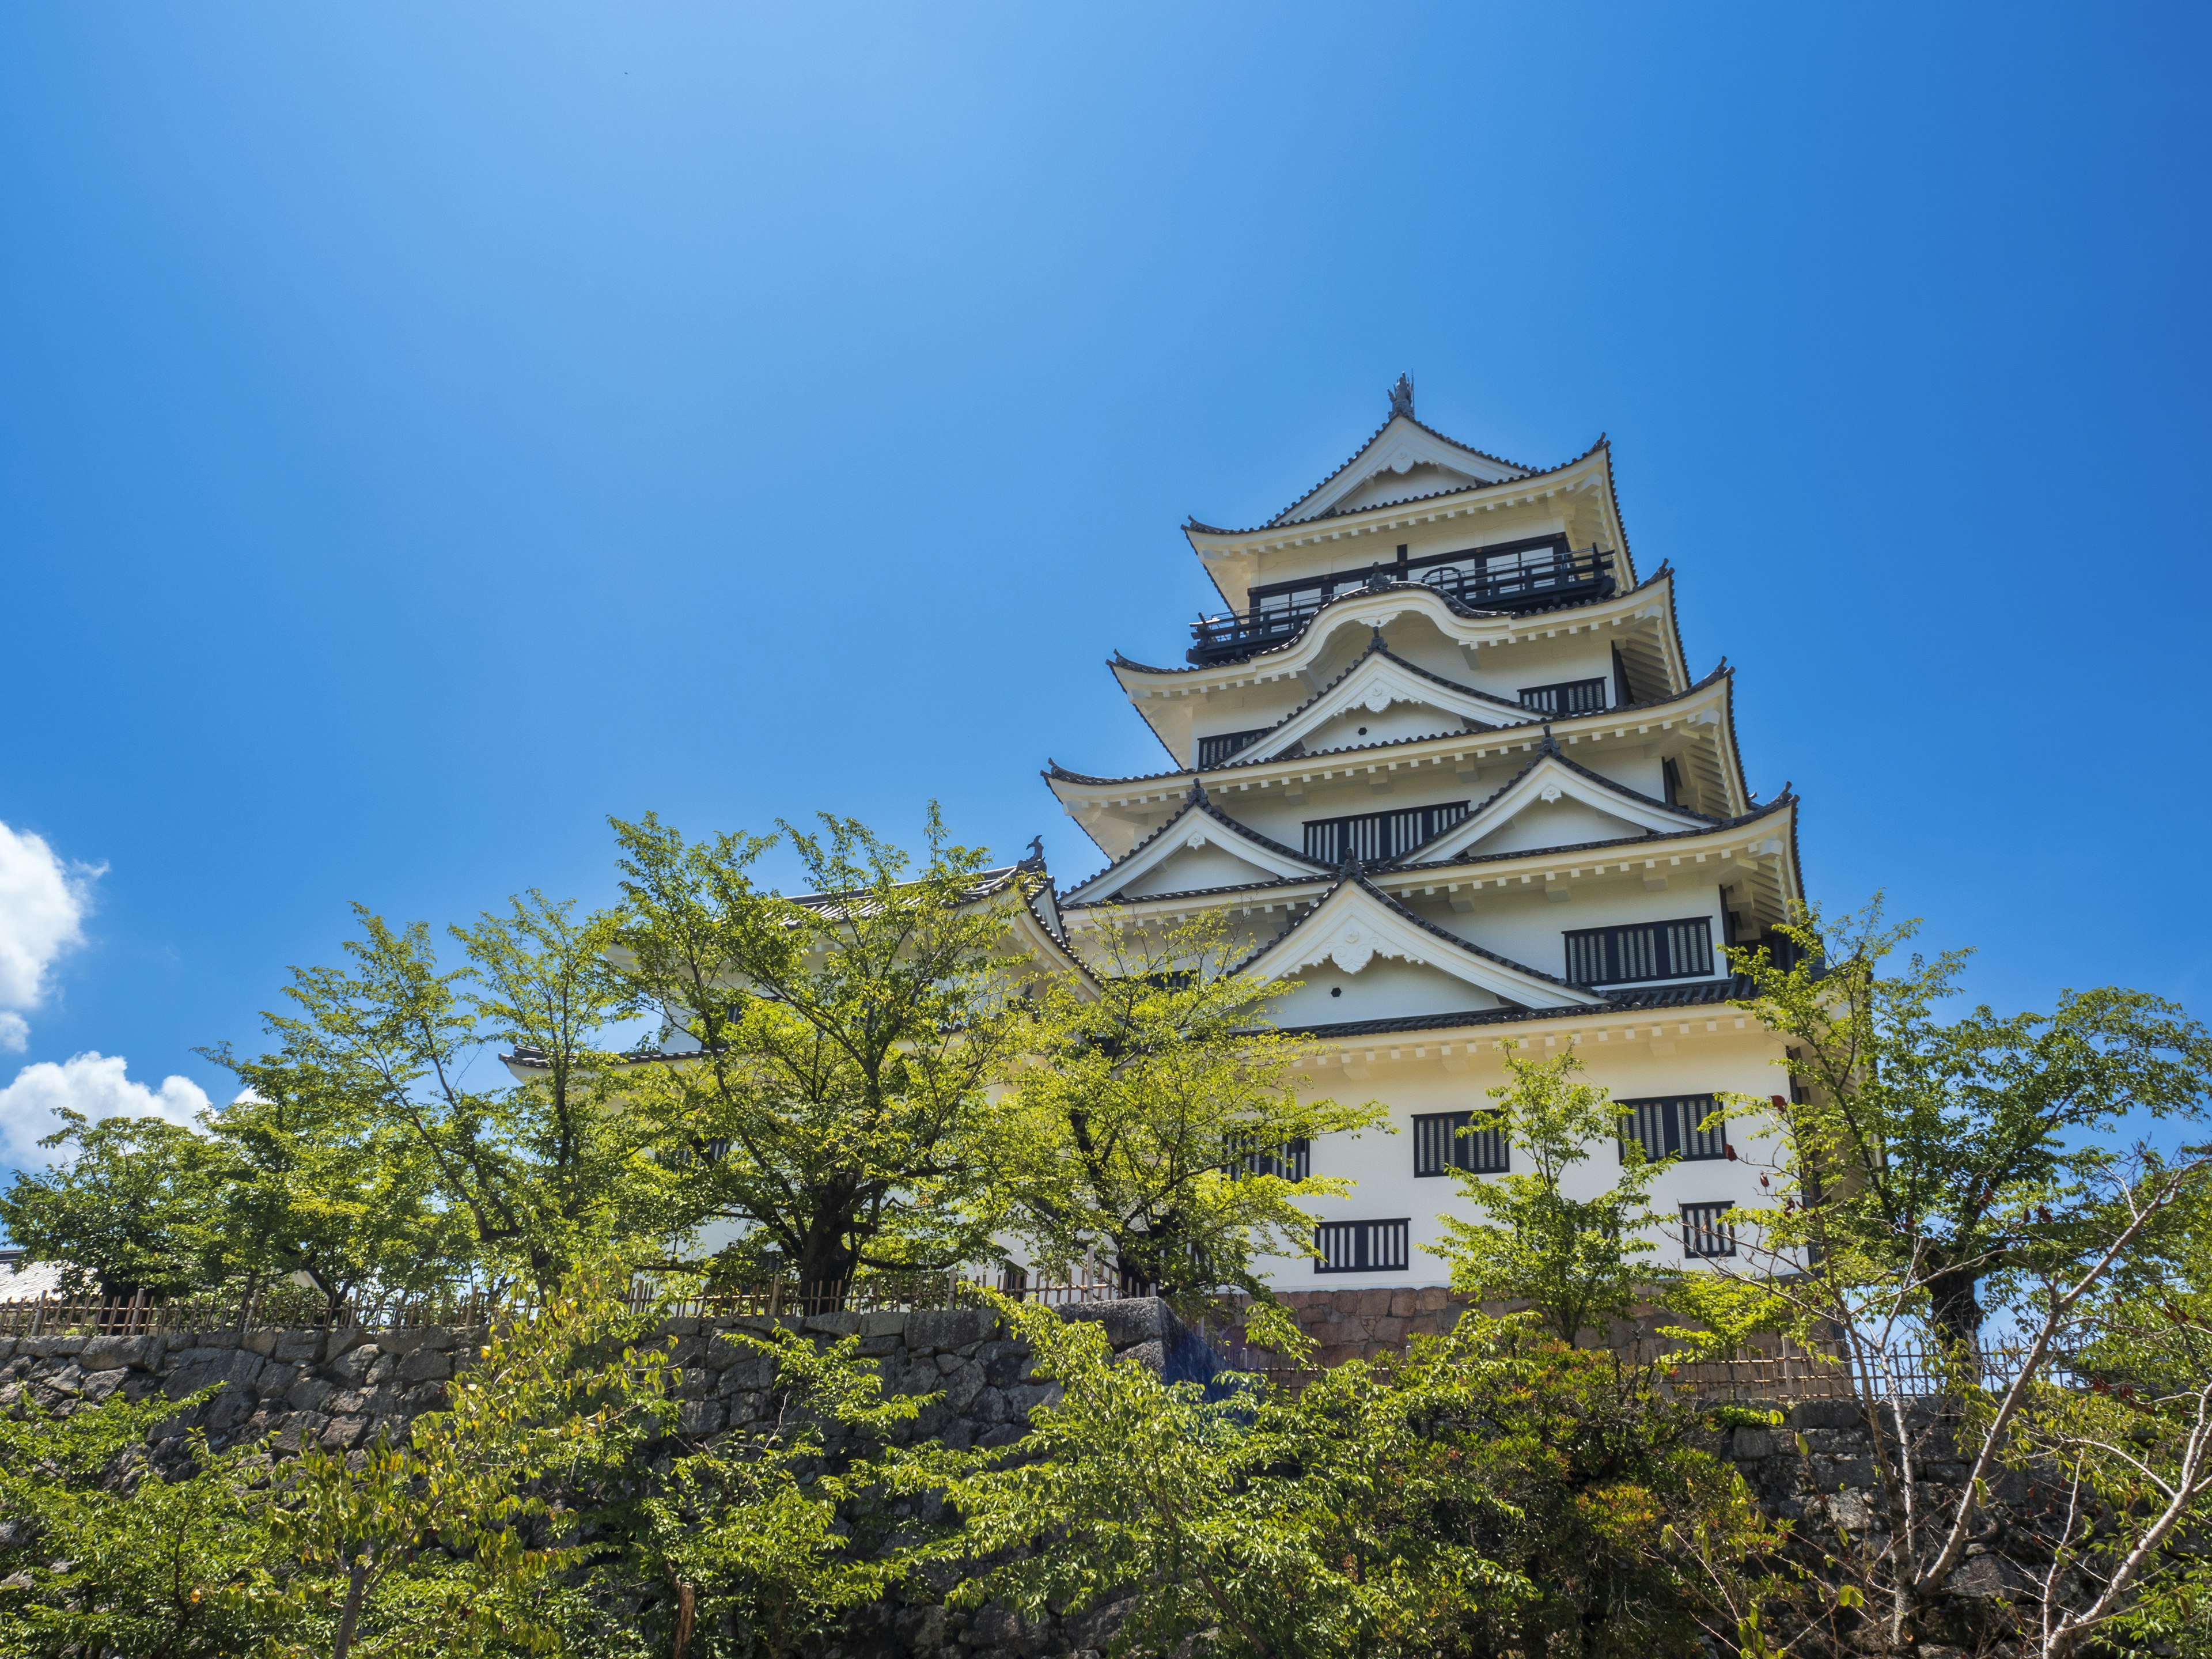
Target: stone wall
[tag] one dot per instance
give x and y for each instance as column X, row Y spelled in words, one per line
column 338, row 1389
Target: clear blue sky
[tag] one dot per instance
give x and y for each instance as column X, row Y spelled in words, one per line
column 426, row 429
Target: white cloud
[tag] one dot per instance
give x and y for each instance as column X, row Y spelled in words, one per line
column 92, row 1084
column 43, row 902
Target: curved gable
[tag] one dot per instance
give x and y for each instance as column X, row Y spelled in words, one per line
column 1378, row 681
column 1402, row 460
column 1356, row 923
column 1200, row 847
column 1555, row 803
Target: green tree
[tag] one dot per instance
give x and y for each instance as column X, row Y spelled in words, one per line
column 102, row 1552
column 1967, row 1146
column 537, row 1169
column 847, row 1041
column 309, row 1185
column 1578, row 1264
column 1156, row 1119
column 123, row 1208
column 461, row 1539
column 1929, row 1174
column 1488, row 1495
column 774, row 1532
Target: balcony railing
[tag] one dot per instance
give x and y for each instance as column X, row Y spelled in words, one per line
column 1516, row 576
column 1565, row 697
column 1212, row 750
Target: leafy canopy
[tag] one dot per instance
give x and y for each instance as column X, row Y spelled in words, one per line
column 1578, row 1263
column 840, row 1092
column 1155, row 1120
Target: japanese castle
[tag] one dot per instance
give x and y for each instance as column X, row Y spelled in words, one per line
column 1444, row 762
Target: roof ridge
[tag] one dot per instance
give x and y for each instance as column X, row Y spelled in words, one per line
column 1281, row 521
column 1390, row 419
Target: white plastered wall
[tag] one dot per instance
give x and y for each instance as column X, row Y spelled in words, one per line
column 1686, row 1058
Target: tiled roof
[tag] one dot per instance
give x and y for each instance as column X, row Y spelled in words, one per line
column 1282, row 521
column 1054, row 770
column 1700, row 993
column 1198, row 803
column 1549, row 750
column 1375, row 648
column 1118, row 660
column 1356, row 877
column 984, row 884
column 1555, row 854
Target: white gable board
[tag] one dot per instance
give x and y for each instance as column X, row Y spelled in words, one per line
column 1391, row 456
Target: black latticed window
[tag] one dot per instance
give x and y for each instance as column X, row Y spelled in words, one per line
column 1704, row 1233
column 1361, row 1247
column 1566, row 697
column 1648, row 950
column 1378, row 837
column 1438, row 1145
column 1666, row 1125
column 1292, row 1160
column 1212, row 750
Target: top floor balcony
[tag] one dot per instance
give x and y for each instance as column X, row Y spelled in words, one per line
column 1523, row 575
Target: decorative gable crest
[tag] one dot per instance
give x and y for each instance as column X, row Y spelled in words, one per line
column 1356, row 923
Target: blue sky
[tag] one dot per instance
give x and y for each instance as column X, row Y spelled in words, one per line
column 425, row 430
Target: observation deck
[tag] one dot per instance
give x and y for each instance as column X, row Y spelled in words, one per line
column 1516, row 576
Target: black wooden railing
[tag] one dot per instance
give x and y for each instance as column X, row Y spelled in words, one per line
column 1516, row 576
column 1566, row 697
column 1378, row 837
column 1212, row 750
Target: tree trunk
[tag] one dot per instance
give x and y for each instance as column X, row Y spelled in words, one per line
column 687, row 1601
column 356, row 1581
column 1956, row 1304
column 826, row 1268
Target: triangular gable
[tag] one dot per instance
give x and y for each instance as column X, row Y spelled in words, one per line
column 1547, row 780
column 1199, row 835
column 1374, row 682
column 1356, row 921
column 1402, row 460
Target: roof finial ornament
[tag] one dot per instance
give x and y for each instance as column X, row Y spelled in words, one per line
column 1036, row 860
column 1401, row 397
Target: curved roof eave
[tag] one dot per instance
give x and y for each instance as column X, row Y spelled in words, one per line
column 1053, row 772
column 1376, row 648
column 1352, row 459
column 1532, row 855
column 1356, row 879
column 1695, row 994
column 1199, row 802
column 1551, row 752
column 1193, row 527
